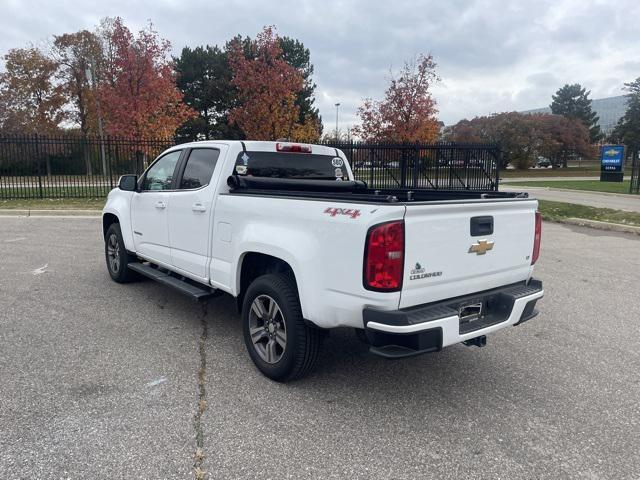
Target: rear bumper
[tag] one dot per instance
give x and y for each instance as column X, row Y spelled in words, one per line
column 430, row 327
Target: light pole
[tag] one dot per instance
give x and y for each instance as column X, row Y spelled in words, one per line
column 91, row 78
column 337, row 107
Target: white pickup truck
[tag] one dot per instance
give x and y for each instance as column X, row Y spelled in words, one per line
column 304, row 248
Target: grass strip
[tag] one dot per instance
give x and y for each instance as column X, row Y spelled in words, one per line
column 558, row 211
column 586, row 185
column 53, row 204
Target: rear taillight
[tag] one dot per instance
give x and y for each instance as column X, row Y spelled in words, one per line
column 384, row 257
column 537, row 237
column 293, row 147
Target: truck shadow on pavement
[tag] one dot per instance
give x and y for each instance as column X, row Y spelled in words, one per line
column 345, row 365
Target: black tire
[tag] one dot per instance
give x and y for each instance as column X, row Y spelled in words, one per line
column 303, row 343
column 117, row 257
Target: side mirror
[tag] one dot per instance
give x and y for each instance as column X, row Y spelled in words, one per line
column 128, row 183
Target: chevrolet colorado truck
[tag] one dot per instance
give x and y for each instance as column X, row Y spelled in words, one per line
column 304, row 247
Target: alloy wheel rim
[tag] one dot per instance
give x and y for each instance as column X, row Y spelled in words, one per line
column 267, row 329
column 113, row 253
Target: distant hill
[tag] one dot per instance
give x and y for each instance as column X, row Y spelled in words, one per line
column 609, row 109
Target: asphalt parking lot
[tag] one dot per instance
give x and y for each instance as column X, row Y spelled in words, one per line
column 100, row 380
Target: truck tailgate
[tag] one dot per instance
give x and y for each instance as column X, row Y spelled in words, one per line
column 446, row 257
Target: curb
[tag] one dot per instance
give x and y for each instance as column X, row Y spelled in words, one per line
column 547, row 179
column 612, row 227
column 6, row 212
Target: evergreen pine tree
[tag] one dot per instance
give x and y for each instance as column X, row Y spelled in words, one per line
column 573, row 101
column 628, row 128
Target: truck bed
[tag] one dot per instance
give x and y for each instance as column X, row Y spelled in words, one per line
column 355, row 191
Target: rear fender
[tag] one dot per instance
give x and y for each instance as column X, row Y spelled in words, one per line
column 291, row 246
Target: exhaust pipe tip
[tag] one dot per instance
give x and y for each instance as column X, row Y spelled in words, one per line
column 480, row 341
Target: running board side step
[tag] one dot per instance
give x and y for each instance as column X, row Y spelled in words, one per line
column 184, row 286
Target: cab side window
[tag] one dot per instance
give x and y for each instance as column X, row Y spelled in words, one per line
column 160, row 175
column 199, row 168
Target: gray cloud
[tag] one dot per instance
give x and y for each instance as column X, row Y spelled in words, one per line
column 493, row 55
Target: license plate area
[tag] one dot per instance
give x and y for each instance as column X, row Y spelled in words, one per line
column 481, row 312
column 470, row 312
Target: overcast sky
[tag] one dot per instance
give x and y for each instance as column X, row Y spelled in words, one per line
column 492, row 55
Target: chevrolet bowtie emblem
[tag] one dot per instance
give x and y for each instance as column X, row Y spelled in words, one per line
column 481, row 247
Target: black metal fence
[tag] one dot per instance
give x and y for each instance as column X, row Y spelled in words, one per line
column 84, row 167
column 635, row 172
column 451, row 166
column 33, row 166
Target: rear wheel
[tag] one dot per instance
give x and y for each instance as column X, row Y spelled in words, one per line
column 279, row 342
column 117, row 256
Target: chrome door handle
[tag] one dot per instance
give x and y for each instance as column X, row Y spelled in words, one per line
column 198, row 207
column 160, row 204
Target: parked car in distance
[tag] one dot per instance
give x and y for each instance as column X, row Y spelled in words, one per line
column 543, row 163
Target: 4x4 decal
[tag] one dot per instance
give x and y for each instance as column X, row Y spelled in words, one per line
column 333, row 211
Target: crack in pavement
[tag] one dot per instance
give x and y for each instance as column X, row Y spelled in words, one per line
column 200, row 472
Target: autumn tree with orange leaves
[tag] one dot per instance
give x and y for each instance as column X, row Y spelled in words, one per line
column 30, row 99
column 138, row 88
column 523, row 137
column 267, row 89
column 408, row 111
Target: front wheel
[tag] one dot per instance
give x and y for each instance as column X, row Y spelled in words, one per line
column 279, row 342
column 117, row 256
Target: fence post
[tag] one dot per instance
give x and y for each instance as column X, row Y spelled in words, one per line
column 86, row 155
column 109, row 160
column 498, row 158
column 467, row 160
column 371, row 155
column 39, row 165
column 416, row 170
column 103, row 157
column 438, row 153
column 634, row 184
column 403, row 167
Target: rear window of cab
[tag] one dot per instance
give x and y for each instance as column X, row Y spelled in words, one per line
column 291, row 165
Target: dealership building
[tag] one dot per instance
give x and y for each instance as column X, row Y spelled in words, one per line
column 610, row 110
